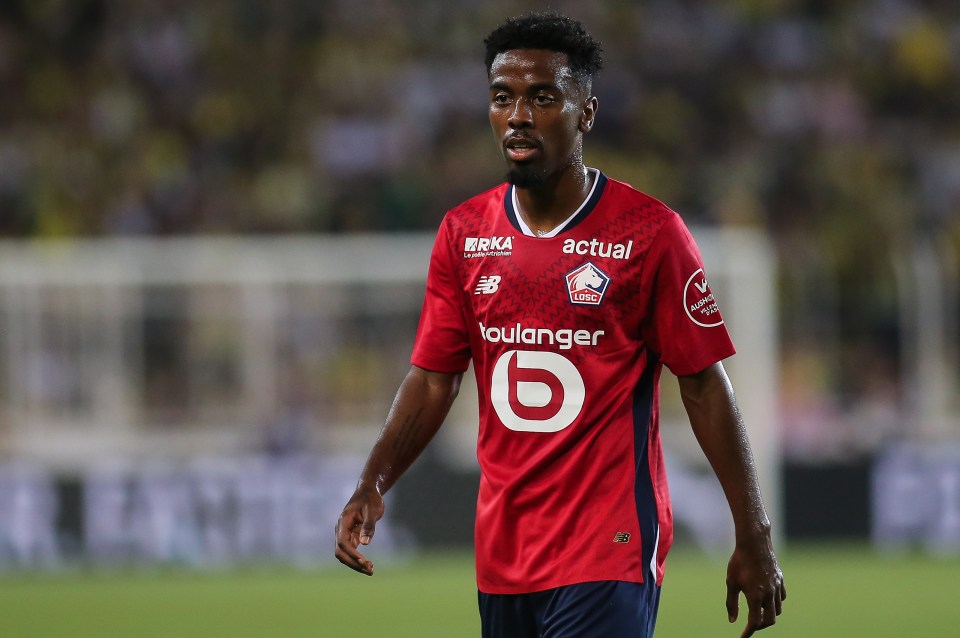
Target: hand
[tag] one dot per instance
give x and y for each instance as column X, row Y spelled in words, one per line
column 753, row 570
column 356, row 526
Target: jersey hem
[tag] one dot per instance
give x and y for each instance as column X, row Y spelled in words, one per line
column 511, row 590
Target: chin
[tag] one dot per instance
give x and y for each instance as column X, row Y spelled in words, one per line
column 526, row 178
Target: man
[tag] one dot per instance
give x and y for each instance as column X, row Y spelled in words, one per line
column 568, row 290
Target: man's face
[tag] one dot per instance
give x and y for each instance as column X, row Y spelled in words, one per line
column 538, row 111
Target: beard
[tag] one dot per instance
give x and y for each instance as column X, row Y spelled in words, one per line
column 526, row 177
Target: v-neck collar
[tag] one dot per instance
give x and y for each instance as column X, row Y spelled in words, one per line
column 589, row 203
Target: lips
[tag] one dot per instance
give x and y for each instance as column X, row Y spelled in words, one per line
column 520, row 148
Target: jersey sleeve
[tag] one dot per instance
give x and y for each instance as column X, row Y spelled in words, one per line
column 684, row 327
column 442, row 343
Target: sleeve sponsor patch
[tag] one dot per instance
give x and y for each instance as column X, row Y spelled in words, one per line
column 699, row 303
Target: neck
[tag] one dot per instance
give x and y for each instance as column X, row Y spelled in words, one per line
column 547, row 206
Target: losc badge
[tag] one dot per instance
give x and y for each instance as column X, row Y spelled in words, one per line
column 586, row 285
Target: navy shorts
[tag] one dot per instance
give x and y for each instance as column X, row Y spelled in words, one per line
column 605, row 609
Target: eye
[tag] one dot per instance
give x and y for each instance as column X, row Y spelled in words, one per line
column 501, row 99
column 543, row 99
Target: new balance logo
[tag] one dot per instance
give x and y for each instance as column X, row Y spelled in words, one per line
column 487, row 285
column 621, row 537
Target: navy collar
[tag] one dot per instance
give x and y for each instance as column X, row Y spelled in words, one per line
column 585, row 209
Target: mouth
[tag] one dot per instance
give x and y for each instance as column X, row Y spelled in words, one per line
column 520, row 149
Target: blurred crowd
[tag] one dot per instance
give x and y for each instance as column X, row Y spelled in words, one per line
column 832, row 125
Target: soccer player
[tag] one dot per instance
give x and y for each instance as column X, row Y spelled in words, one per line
column 569, row 291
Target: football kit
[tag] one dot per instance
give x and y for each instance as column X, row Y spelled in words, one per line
column 567, row 334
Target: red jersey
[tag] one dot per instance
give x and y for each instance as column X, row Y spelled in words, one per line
column 568, row 335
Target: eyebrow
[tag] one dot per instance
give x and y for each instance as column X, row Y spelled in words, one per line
column 543, row 86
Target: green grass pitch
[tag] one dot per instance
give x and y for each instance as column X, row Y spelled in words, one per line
column 842, row 592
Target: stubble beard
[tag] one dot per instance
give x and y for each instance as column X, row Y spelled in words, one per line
column 526, row 177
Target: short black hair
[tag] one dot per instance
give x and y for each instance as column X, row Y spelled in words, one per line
column 551, row 32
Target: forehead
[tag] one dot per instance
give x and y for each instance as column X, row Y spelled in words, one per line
column 533, row 66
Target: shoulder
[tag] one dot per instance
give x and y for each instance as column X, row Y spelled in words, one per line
column 485, row 203
column 626, row 194
column 475, row 216
column 641, row 213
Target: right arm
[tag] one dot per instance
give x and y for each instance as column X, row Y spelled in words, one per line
column 418, row 411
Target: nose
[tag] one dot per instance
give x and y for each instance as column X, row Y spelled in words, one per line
column 521, row 116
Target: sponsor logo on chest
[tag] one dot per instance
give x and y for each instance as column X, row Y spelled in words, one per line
column 596, row 248
column 487, row 247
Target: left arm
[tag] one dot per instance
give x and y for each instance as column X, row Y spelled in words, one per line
column 710, row 404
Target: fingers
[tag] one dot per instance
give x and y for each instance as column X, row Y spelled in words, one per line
column 367, row 527
column 771, row 609
column 356, row 527
column 764, row 610
column 733, row 602
column 350, row 534
column 755, row 618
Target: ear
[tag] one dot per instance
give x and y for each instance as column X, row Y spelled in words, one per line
column 588, row 115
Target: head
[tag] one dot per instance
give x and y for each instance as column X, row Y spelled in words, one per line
column 541, row 69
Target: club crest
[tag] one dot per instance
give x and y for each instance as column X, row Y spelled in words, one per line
column 586, row 285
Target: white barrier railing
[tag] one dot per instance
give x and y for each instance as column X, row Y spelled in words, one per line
column 173, row 349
